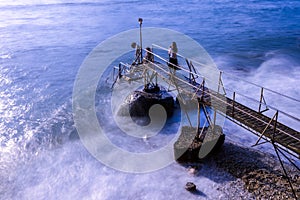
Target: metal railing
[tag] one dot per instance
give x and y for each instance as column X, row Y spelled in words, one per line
column 172, row 78
column 261, row 102
column 272, row 124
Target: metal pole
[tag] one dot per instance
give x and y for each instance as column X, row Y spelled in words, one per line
column 261, row 98
column 120, row 71
column 275, row 123
column 233, row 100
column 141, row 22
column 198, row 121
column 284, row 171
column 219, row 82
column 203, row 88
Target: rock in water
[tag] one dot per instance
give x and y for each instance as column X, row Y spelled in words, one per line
column 188, row 145
column 190, row 187
column 139, row 103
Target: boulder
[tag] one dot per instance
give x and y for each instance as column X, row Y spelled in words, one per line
column 190, row 187
column 140, row 101
column 187, row 147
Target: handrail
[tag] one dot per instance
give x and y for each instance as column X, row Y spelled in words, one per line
column 179, row 67
column 247, row 97
column 196, row 87
column 160, row 47
column 183, row 69
column 271, row 107
column 255, row 84
column 192, row 88
column 225, row 102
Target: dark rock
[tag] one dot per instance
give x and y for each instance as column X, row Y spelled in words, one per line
column 190, row 187
column 139, row 103
column 187, row 147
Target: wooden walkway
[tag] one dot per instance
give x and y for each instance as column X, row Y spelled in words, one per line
column 256, row 122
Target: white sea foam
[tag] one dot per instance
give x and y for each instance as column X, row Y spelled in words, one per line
column 44, row 42
column 70, row 172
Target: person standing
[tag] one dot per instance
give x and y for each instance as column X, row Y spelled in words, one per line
column 149, row 57
column 137, row 53
column 173, row 62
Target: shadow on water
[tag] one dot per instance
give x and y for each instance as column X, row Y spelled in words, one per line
column 198, row 193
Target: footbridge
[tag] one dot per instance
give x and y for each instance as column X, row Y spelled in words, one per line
column 267, row 122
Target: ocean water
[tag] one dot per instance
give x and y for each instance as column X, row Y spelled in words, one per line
column 43, row 44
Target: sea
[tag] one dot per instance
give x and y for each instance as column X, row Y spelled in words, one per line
column 43, row 44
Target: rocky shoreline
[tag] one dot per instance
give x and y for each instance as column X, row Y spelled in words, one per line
column 259, row 173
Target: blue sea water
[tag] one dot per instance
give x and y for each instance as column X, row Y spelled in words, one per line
column 43, row 44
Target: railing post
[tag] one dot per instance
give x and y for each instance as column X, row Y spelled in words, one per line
column 203, row 83
column 220, row 80
column 261, row 98
column 188, row 64
column 141, row 41
column 233, row 100
column 275, row 123
column 198, row 121
column 120, row 70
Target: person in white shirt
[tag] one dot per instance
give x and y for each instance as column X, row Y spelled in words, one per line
column 173, row 56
